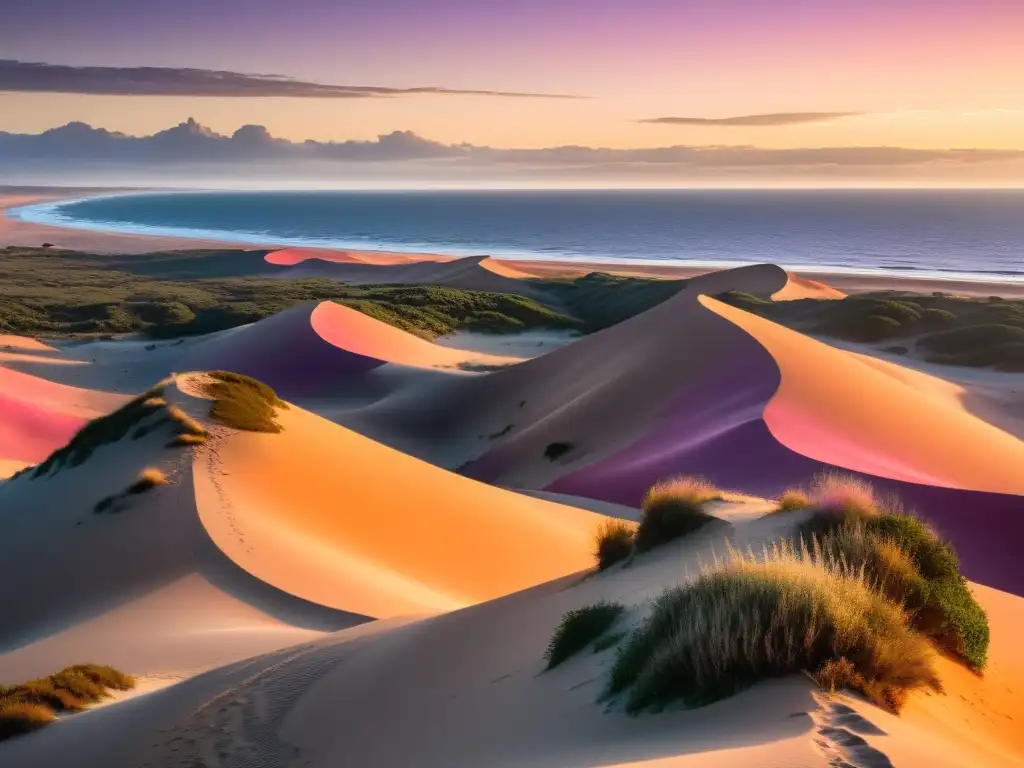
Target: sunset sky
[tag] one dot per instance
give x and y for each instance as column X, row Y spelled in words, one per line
column 907, row 73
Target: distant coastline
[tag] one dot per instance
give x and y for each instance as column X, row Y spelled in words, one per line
column 28, row 216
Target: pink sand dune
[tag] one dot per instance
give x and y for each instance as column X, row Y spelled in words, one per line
column 38, row 416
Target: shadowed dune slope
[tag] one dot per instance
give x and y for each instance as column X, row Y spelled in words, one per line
column 331, row 516
column 137, row 582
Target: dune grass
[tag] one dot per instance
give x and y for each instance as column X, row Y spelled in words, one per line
column 241, row 402
column 35, row 704
column 908, row 561
column 103, row 431
column 186, row 440
column 579, row 628
column 748, row 619
column 672, row 509
column 148, row 479
column 792, row 500
column 614, row 542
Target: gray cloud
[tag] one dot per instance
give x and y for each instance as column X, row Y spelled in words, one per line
column 80, row 146
column 754, row 121
column 34, row 77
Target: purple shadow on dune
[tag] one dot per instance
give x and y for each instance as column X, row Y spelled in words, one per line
column 284, row 351
column 715, row 429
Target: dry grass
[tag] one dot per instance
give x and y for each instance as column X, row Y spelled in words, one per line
column 32, row 705
column 614, row 542
column 149, row 478
column 186, row 424
column 843, row 494
column 672, row 509
column 241, row 402
column 750, row 618
column 793, row 500
column 186, row 440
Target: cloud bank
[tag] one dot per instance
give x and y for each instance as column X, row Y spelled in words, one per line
column 192, row 151
column 770, row 120
column 36, row 77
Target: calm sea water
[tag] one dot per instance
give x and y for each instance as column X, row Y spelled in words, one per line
column 952, row 233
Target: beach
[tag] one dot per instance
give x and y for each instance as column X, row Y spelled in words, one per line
column 21, row 233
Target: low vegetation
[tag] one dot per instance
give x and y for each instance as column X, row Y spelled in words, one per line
column 103, row 431
column 139, row 417
column 185, row 293
column 906, row 559
column 579, row 629
column 614, row 543
column 749, row 619
column 859, row 599
column 148, row 479
column 241, row 402
column 32, row 705
column 672, row 509
column 976, row 332
column 792, row 500
column 600, row 300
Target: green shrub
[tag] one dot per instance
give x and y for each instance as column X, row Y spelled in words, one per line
column 241, row 402
column 614, row 543
column 750, row 619
column 939, row 599
column 579, row 628
column 672, row 509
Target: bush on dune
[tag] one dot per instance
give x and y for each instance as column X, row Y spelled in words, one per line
column 672, row 509
column 579, row 628
column 241, row 402
column 792, row 500
column 886, row 543
column 748, row 619
column 32, row 705
column 614, row 543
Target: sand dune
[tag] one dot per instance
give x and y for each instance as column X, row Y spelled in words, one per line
column 377, row 532
column 273, row 538
column 467, row 688
column 37, row 416
column 308, row 348
column 475, row 273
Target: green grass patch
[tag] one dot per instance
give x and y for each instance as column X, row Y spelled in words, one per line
column 579, row 628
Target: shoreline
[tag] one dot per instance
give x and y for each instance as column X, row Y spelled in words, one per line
column 14, row 232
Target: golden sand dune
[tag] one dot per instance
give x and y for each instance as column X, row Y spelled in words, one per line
column 269, row 537
column 468, row 688
column 337, row 519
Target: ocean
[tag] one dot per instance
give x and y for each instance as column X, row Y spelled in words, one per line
column 973, row 234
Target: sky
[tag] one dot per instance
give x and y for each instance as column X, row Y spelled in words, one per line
column 773, row 74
